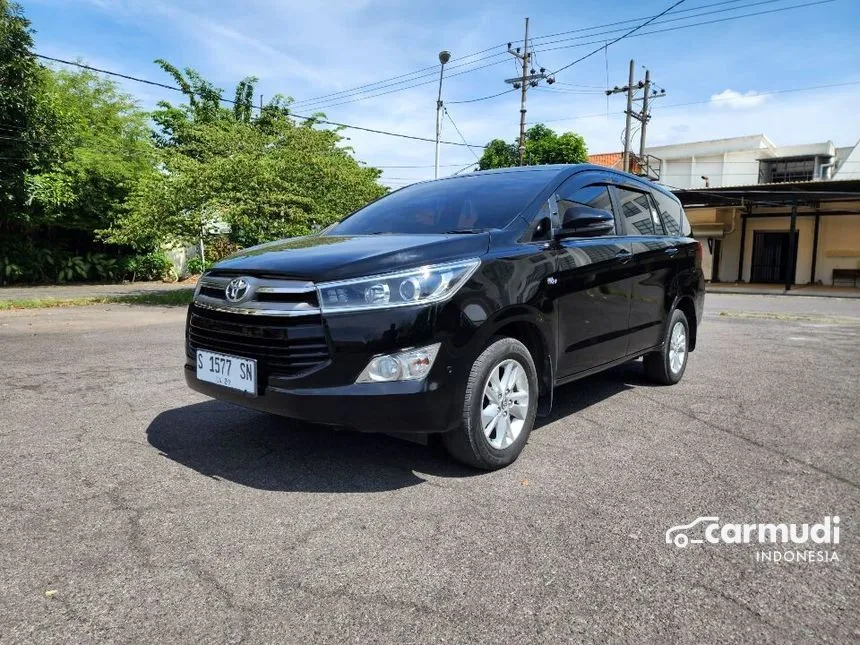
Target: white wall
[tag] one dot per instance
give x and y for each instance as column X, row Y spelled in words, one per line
column 727, row 162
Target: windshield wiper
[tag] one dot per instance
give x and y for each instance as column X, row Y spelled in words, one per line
column 465, row 231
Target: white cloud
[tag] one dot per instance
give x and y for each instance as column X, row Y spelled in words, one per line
column 730, row 99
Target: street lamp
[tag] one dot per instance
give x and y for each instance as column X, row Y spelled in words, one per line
column 444, row 57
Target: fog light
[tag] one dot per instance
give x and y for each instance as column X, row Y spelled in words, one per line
column 410, row 365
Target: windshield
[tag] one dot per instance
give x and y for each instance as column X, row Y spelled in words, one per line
column 465, row 204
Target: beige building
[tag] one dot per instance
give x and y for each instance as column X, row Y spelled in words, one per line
column 749, row 198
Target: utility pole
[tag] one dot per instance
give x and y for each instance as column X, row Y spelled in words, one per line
column 522, row 146
column 643, row 116
column 628, row 89
column 529, row 78
column 629, row 112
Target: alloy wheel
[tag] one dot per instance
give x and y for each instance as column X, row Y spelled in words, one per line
column 505, row 403
column 677, row 347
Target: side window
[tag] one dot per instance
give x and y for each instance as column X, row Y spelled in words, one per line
column 636, row 209
column 659, row 229
column 541, row 229
column 673, row 215
column 595, row 196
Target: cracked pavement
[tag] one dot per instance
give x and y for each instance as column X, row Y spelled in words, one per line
column 158, row 515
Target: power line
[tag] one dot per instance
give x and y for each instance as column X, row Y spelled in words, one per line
column 349, row 95
column 482, row 98
column 355, row 95
column 401, row 89
column 697, row 24
column 559, row 90
column 462, row 169
column 670, row 20
column 596, row 88
column 372, row 87
column 293, row 114
column 608, row 45
column 458, row 131
column 450, row 165
column 629, row 20
column 712, row 100
column 383, row 83
column 104, row 71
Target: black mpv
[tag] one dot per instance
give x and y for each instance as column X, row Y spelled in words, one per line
column 454, row 306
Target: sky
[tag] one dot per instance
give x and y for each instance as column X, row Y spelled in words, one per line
column 745, row 74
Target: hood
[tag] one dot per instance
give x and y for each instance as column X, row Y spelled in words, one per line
column 332, row 257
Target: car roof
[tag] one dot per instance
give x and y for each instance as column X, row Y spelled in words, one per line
column 553, row 171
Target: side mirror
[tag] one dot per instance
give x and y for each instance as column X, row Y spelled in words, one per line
column 585, row 221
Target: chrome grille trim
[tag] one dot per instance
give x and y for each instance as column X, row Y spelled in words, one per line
column 264, row 284
column 225, row 307
column 299, row 297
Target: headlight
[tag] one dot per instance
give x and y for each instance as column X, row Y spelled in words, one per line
column 410, row 365
column 414, row 287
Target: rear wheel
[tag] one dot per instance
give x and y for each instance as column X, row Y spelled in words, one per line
column 667, row 365
column 499, row 407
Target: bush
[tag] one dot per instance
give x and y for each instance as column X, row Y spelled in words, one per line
column 196, row 266
column 24, row 261
column 220, row 247
column 150, row 266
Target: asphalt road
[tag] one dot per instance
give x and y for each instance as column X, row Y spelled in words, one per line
column 151, row 514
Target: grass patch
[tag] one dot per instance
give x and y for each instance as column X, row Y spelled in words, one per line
column 174, row 297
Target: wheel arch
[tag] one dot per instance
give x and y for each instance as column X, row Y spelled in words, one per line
column 530, row 334
column 688, row 307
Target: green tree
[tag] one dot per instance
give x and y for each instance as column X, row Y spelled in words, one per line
column 498, row 154
column 264, row 175
column 20, row 115
column 101, row 146
column 71, row 147
column 543, row 146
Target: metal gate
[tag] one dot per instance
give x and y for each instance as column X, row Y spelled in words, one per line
column 770, row 257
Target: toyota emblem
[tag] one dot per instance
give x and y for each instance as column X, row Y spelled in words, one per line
column 236, row 289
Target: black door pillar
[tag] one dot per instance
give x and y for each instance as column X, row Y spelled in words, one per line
column 743, row 246
column 792, row 229
column 815, row 247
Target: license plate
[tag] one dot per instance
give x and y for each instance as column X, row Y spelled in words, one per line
column 234, row 372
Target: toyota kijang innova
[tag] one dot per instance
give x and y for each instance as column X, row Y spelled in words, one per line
column 454, row 306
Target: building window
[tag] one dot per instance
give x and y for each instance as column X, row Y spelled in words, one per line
column 778, row 171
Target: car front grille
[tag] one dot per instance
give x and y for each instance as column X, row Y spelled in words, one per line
column 281, row 345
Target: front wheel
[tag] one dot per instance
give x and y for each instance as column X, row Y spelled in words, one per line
column 667, row 365
column 499, row 407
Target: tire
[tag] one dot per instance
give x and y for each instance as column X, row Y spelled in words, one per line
column 667, row 365
column 514, row 411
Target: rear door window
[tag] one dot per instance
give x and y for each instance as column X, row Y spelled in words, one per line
column 636, row 210
column 659, row 229
column 672, row 215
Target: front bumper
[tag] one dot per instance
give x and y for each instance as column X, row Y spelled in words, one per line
column 425, row 406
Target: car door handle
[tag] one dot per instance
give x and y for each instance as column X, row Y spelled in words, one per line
column 624, row 256
column 672, row 250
